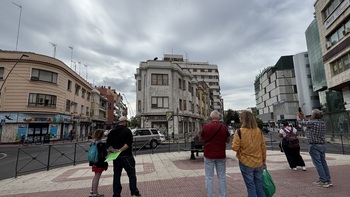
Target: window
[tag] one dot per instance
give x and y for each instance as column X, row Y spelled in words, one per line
column 88, row 96
column 43, row 75
column 194, row 70
column 139, row 85
column 83, row 91
column 139, row 105
column 2, row 72
column 160, row 102
column 158, row 79
column 180, row 104
column 82, row 109
column 77, row 88
column 87, row 111
column 183, row 85
column 185, row 105
column 69, row 85
column 179, row 83
column 67, row 105
column 42, row 100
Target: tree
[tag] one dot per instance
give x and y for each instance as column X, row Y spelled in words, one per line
column 228, row 117
column 135, row 122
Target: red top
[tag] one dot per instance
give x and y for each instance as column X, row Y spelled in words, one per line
column 216, row 147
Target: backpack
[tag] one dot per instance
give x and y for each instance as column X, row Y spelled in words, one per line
column 93, row 153
column 291, row 139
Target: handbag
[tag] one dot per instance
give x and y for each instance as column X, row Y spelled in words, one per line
column 268, row 184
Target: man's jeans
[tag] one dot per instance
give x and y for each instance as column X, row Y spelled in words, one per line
column 220, row 165
column 128, row 163
column 253, row 180
column 318, row 156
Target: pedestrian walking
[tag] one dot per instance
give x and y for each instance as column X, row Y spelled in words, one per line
column 249, row 143
column 121, row 139
column 215, row 136
column 315, row 133
column 292, row 152
column 100, row 165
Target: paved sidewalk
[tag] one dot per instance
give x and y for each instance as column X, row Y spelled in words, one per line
column 174, row 174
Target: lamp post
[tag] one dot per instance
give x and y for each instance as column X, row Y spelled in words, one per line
column 19, row 21
column 4, row 81
column 131, row 110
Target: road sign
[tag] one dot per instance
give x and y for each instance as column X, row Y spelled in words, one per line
column 169, row 114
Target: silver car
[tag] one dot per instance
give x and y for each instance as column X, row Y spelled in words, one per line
column 144, row 137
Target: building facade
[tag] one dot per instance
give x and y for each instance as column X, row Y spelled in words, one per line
column 169, row 96
column 333, row 22
column 41, row 96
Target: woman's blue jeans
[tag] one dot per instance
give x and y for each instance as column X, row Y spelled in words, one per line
column 220, row 165
column 253, row 180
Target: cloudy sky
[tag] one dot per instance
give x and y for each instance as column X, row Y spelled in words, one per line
column 112, row 37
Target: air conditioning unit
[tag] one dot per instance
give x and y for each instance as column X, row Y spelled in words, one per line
column 328, row 44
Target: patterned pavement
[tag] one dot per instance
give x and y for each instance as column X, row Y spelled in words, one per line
column 174, row 174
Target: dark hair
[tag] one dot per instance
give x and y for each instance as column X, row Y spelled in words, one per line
column 285, row 123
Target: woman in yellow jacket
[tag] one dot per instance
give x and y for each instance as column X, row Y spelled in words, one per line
column 249, row 143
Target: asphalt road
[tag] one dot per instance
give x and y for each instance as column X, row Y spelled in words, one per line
column 34, row 158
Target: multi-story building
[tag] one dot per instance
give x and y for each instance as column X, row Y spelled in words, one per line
column 99, row 105
column 276, row 92
column 115, row 107
column 41, row 95
column 307, row 98
column 169, row 98
column 333, row 22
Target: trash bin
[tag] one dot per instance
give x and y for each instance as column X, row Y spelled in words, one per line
column 47, row 138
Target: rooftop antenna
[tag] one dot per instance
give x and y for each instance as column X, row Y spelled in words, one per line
column 54, row 49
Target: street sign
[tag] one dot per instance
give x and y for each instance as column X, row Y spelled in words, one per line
column 169, row 114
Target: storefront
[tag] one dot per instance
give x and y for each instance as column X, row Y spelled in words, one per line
column 33, row 126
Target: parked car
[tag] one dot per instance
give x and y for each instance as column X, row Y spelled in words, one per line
column 148, row 137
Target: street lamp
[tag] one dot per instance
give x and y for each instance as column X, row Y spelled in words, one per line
column 19, row 22
column 131, row 110
column 4, row 81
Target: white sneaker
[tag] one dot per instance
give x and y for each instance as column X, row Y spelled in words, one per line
column 304, row 168
column 295, row 169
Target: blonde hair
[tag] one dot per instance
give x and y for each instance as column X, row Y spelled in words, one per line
column 248, row 120
column 98, row 134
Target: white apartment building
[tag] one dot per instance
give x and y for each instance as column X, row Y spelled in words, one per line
column 333, row 21
column 170, row 98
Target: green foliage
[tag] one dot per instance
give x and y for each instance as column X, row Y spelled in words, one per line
column 228, row 117
column 135, row 122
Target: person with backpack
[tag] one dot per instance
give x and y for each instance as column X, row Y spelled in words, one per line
column 249, row 144
column 97, row 155
column 291, row 146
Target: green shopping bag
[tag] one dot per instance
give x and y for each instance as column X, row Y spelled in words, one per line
column 268, row 184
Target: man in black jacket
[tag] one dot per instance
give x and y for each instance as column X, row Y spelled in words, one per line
column 120, row 139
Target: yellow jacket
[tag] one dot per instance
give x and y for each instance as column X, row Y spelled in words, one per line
column 250, row 147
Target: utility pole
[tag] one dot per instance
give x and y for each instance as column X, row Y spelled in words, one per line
column 19, row 21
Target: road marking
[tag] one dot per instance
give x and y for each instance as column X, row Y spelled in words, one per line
column 3, row 155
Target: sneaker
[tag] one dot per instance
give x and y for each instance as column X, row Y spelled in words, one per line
column 295, row 169
column 330, row 183
column 304, row 168
column 98, row 195
column 91, row 193
column 321, row 184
